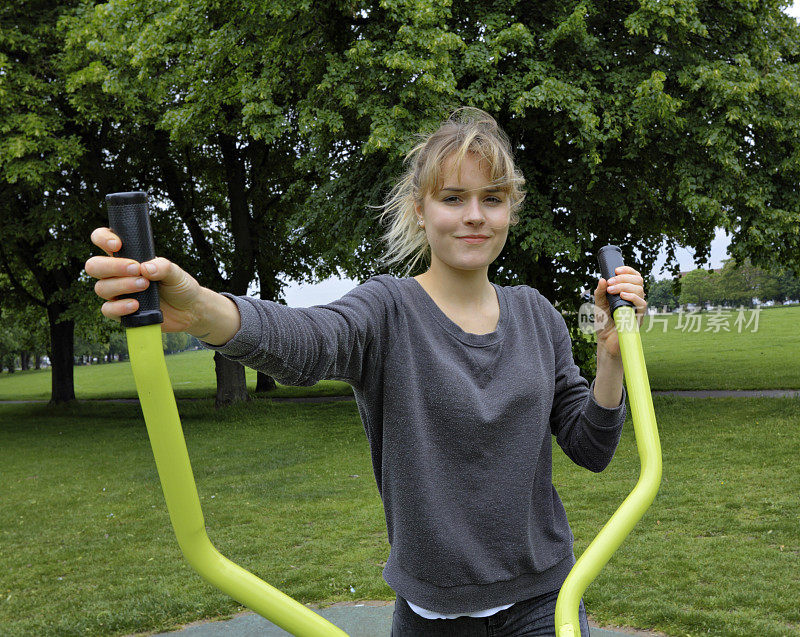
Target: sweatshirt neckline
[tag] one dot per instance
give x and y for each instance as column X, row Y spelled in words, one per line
column 453, row 328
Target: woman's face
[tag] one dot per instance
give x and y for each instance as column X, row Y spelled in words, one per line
column 464, row 206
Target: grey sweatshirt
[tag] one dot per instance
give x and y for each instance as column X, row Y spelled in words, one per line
column 459, row 427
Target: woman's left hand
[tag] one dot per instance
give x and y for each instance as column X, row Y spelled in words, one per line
column 628, row 283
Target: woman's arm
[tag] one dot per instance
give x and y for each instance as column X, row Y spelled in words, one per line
column 608, row 381
column 342, row 340
column 587, row 430
column 218, row 318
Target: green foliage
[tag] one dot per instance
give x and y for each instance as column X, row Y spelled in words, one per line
column 736, row 284
column 661, row 294
column 22, row 329
column 697, row 287
column 174, row 342
column 35, row 138
column 632, row 122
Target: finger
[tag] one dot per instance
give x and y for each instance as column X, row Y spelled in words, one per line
column 105, row 239
column 601, row 306
column 164, row 270
column 616, row 288
column 626, row 278
column 115, row 309
column 625, row 269
column 639, row 303
column 600, row 290
column 105, row 267
column 111, row 288
column 603, row 286
column 633, row 297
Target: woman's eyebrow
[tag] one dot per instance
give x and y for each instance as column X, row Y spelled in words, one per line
column 454, row 189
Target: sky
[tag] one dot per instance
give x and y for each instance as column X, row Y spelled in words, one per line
column 306, row 295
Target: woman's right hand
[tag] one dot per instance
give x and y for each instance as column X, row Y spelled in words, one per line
column 178, row 292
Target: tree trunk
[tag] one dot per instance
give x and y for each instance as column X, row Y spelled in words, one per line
column 264, row 383
column 62, row 352
column 38, row 361
column 231, row 382
column 25, row 360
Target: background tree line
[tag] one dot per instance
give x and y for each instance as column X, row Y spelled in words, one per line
column 729, row 286
column 26, row 346
column 263, row 131
column 23, row 338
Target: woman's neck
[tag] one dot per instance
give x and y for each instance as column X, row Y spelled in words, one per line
column 462, row 290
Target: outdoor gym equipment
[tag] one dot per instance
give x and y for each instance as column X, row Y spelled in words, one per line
column 129, row 219
column 633, row 508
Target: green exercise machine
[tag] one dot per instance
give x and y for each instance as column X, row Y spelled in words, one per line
column 608, row 540
column 129, row 219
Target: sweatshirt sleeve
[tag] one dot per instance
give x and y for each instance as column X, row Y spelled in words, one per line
column 341, row 340
column 587, row 432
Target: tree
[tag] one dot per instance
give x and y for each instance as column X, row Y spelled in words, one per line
column 54, row 168
column 202, row 64
column 697, row 287
column 763, row 284
column 732, row 288
column 633, row 122
column 788, row 287
column 10, row 343
column 736, row 283
column 661, row 294
column 174, row 342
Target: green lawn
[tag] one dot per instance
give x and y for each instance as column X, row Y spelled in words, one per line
column 702, row 355
column 288, row 492
column 676, row 359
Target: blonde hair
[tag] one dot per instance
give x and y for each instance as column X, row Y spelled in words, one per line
column 467, row 129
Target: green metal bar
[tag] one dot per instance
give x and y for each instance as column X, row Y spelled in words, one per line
column 177, row 481
column 595, row 557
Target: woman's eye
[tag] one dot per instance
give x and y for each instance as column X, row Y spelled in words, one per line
column 493, row 200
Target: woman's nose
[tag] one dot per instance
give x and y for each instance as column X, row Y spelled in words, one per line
column 474, row 211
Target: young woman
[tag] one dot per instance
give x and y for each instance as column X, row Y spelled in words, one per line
column 460, row 384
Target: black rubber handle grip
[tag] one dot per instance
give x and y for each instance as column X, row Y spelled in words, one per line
column 610, row 258
column 129, row 219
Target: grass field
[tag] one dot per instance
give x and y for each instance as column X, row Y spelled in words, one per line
column 702, row 355
column 288, row 492
column 766, row 358
column 191, row 373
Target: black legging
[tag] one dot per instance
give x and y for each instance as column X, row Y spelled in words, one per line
column 534, row 616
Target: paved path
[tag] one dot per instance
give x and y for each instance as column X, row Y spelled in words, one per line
column 360, row 619
column 738, row 393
